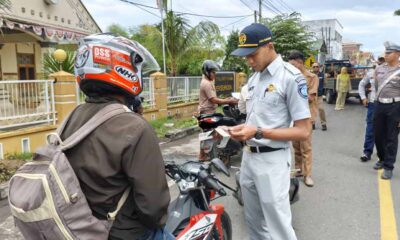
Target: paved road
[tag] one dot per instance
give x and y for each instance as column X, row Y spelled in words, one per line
column 345, row 201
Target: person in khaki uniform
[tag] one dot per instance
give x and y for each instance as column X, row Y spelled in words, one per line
column 303, row 149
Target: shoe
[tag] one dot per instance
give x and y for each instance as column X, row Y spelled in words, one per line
column 308, row 181
column 313, row 126
column 337, row 109
column 378, row 165
column 365, row 158
column 387, row 174
column 324, row 128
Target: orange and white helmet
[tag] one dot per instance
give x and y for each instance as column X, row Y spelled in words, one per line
column 109, row 61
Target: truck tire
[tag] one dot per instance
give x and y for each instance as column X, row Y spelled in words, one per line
column 330, row 97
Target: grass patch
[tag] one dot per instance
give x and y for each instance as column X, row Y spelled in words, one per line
column 11, row 163
column 161, row 130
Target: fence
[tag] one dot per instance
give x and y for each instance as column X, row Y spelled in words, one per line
column 26, row 102
column 180, row 90
column 183, row 89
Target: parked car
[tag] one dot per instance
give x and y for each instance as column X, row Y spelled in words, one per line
column 332, row 69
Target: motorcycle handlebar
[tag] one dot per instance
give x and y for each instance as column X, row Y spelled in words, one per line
column 211, row 183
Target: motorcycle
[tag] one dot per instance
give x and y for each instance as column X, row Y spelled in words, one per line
column 191, row 216
column 208, row 143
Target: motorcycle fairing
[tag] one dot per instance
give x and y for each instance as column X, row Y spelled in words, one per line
column 179, row 212
column 199, row 227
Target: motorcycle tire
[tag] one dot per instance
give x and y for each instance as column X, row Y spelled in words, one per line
column 226, row 228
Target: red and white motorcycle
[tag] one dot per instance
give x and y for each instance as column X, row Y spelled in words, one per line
column 191, row 216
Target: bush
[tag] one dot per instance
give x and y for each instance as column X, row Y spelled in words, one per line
column 11, row 163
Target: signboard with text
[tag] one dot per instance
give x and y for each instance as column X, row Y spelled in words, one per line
column 225, row 83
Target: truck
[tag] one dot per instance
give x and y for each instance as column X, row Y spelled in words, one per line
column 332, row 69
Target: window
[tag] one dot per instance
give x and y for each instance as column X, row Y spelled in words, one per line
column 25, row 145
column 69, row 21
column 41, row 14
column 62, row 19
column 26, row 66
column 1, row 152
column 55, row 18
column 32, row 12
column 23, row 10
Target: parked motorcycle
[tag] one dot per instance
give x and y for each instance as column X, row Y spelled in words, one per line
column 208, row 143
column 191, row 216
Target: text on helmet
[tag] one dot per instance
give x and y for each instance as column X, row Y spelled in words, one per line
column 126, row 73
column 101, row 55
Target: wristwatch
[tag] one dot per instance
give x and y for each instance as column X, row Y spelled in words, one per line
column 259, row 133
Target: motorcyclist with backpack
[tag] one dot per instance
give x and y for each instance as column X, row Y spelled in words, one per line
column 123, row 152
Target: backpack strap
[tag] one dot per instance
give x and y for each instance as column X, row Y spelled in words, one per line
column 99, row 118
column 111, row 215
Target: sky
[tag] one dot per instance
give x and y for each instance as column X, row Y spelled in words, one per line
column 370, row 22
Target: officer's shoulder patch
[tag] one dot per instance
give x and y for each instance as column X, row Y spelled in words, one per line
column 292, row 69
column 302, row 89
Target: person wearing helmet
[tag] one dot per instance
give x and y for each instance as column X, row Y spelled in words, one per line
column 208, row 100
column 123, row 152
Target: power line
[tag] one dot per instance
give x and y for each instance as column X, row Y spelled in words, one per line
column 271, row 7
column 240, row 20
column 286, row 5
column 185, row 13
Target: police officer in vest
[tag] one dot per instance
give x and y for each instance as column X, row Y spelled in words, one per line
column 277, row 95
column 387, row 110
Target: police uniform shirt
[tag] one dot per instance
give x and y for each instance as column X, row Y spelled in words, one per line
column 392, row 88
column 368, row 78
column 277, row 96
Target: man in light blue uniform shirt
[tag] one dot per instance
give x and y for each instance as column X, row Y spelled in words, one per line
column 277, row 95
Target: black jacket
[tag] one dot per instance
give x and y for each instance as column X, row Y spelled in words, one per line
column 122, row 152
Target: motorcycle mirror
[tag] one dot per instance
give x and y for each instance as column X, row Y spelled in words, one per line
column 220, row 166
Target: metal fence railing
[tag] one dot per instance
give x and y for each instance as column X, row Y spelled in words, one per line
column 183, row 89
column 26, row 102
column 180, row 90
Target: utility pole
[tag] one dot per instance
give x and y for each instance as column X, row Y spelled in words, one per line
column 255, row 16
column 259, row 11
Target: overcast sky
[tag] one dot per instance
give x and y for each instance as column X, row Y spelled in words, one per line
column 370, row 22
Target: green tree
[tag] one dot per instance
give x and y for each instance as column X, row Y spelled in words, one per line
column 397, row 12
column 207, row 43
column 150, row 37
column 233, row 63
column 290, row 34
column 119, row 30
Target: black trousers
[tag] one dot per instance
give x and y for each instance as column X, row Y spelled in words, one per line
column 386, row 130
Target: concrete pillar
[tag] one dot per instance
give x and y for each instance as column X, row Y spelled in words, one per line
column 241, row 79
column 64, row 94
column 160, row 93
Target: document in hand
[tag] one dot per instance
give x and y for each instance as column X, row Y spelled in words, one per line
column 223, row 136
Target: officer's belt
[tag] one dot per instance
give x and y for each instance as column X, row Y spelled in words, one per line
column 261, row 149
column 389, row 100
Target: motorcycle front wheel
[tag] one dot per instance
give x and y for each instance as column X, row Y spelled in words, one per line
column 226, row 228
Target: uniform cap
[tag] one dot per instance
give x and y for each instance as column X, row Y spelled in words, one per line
column 391, row 47
column 251, row 38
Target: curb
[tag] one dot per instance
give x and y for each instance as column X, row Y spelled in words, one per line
column 3, row 190
column 181, row 133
